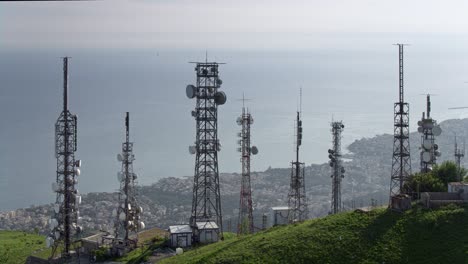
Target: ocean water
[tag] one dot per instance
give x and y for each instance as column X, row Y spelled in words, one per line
column 349, row 83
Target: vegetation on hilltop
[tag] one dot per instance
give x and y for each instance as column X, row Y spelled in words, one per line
column 381, row 236
column 17, row 246
column 437, row 179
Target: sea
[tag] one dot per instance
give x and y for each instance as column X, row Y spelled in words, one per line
column 356, row 83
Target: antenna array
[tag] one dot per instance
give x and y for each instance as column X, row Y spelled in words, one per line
column 64, row 222
column 337, row 167
column 127, row 216
column 429, row 129
column 206, row 202
column 297, row 202
column 245, row 224
column 459, row 154
column 401, row 161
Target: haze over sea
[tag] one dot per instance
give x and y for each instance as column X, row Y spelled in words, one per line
column 354, row 79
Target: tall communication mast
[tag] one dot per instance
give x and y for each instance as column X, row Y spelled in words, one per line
column 337, row 167
column 64, row 222
column 206, row 202
column 245, row 224
column 459, row 154
column 297, row 202
column 429, row 129
column 128, row 213
column 401, row 161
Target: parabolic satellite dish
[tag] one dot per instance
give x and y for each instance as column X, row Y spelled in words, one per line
column 239, row 120
column 420, row 129
column 190, row 91
column 220, row 98
column 437, row 131
column 119, row 157
column 427, row 144
column 428, row 123
column 254, row 150
column 192, row 150
column 426, row 156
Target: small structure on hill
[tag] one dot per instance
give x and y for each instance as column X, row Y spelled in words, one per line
column 455, row 187
column 401, row 202
column 207, row 232
column 279, row 215
column 438, row 199
column 180, row 236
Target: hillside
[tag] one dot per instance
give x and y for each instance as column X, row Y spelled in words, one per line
column 16, row 246
column 168, row 201
column 381, row 236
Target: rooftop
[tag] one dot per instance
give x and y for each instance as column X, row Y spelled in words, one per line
column 178, row 229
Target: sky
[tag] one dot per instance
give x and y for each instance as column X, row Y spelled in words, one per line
column 339, row 51
column 221, row 24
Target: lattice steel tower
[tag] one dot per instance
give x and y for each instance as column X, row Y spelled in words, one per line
column 429, row 129
column 206, row 202
column 127, row 221
column 401, row 162
column 337, row 167
column 459, row 154
column 297, row 202
column 64, row 222
column 245, row 224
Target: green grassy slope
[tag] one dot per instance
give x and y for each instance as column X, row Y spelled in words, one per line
column 16, row 246
column 416, row 236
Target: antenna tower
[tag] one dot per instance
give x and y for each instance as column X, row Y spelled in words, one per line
column 245, row 224
column 128, row 213
column 64, row 222
column 297, row 202
column 401, row 161
column 337, row 167
column 206, row 202
column 429, row 130
column 459, row 154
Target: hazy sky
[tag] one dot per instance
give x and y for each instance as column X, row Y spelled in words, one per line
column 224, row 24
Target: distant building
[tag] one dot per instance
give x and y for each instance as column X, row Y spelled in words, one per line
column 455, row 187
column 279, row 215
column 207, row 232
column 180, row 236
column 437, row 199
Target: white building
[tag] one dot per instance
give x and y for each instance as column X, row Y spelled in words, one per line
column 458, row 187
column 180, row 236
column 208, row 232
column 279, row 215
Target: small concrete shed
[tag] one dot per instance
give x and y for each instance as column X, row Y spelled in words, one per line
column 208, row 232
column 279, row 215
column 180, row 236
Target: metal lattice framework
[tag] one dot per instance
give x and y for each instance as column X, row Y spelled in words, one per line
column 336, row 164
column 128, row 214
column 206, row 202
column 245, row 224
column 297, row 202
column 401, row 161
column 459, row 154
column 429, row 130
column 64, row 222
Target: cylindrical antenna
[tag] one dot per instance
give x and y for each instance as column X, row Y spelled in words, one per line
column 428, row 105
column 127, row 123
column 65, row 84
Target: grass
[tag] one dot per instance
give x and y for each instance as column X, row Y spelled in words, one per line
column 16, row 246
column 148, row 241
column 381, row 236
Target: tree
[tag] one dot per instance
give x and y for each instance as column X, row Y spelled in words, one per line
column 448, row 172
column 426, row 182
column 437, row 180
